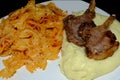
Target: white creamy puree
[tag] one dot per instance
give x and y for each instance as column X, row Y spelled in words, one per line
column 76, row 66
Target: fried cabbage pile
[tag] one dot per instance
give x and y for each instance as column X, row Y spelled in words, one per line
column 30, row 36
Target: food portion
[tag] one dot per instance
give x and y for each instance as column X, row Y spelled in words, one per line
column 77, row 27
column 102, row 42
column 30, row 36
column 90, row 35
column 75, row 65
column 81, row 30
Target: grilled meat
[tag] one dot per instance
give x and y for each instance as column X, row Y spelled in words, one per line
column 102, row 42
column 99, row 41
column 77, row 27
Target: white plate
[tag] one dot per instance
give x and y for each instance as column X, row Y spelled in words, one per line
column 52, row 71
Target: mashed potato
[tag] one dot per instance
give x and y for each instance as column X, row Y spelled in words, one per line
column 76, row 66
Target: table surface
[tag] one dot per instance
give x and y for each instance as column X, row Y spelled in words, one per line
column 110, row 6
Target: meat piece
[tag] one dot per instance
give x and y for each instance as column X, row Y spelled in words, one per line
column 102, row 42
column 77, row 27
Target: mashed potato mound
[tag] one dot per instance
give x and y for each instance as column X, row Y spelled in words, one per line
column 75, row 65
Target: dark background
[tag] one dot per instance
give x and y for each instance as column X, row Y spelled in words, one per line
column 110, row 6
